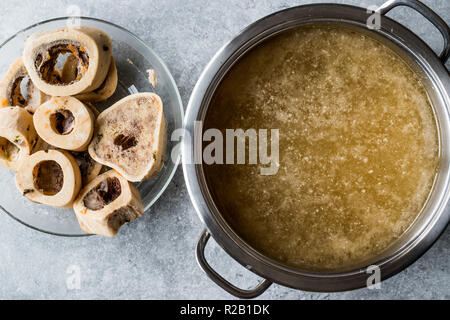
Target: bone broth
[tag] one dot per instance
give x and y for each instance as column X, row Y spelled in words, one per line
column 358, row 147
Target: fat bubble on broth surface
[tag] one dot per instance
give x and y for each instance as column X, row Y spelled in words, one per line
column 358, row 147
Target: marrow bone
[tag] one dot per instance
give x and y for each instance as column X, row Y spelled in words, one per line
column 131, row 137
column 49, row 177
column 106, row 203
column 17, row 89
column 65, row 122
column 91, row 47
column 17, row 136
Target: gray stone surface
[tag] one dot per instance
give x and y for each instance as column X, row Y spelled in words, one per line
column 153, row 258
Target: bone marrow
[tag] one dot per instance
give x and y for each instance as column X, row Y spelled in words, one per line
column 17, row 89
column 125, row 142
column 103, row 194
column 90, row 59
column 47, row 66
column 62, row 121
column 65, row 122
column 106, row 89
column 131, row 137
column 49, row 177
column 106, row 203
column 17, row 136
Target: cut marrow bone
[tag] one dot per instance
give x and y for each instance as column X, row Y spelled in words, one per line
column 106, row 203
column 131, row 137
column 89, row 168
column 17, row 89
column 92, row 48
column 106, row 89
column 49, row 177
column 65, row 122
column 17, row 136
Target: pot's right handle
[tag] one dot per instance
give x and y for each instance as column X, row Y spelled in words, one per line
column 219, row 280
column 427, row 13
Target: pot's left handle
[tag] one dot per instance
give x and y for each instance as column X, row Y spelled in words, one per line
column 429, row 14
column 219, row 280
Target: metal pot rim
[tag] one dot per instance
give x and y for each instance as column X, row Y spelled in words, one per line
column 394, row 35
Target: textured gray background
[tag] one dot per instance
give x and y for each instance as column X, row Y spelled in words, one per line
column 153, row 258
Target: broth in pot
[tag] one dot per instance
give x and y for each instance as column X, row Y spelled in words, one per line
column 358, row 147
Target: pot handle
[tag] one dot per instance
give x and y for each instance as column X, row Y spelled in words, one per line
column 219, row 280
column 429, row 14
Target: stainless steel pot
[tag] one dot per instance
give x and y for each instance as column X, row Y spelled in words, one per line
column 432, row 220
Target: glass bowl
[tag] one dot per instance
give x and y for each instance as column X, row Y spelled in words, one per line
column 133, row 58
